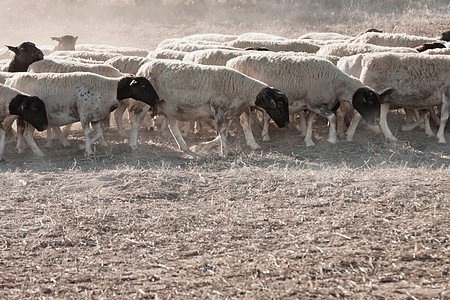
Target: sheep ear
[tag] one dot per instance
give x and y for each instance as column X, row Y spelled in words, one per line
column 133, row 82
column 385, row 94
column 55, row 38
column 13, row 49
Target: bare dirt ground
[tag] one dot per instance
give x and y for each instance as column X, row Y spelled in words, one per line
column 357, row 220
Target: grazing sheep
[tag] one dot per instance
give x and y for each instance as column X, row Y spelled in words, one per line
column 393, row 39
column 419, row 82
column 24, row 55
column 325, row 36
column 194, row 92
column 311, row 83
column 28, row 108
column 428, row 46
column 167, row 54
column 128, row 51
column 65, row 43
column 276, row 45
column 260, row 36
column 80, row 96
column 93, row 55
column 347, row 49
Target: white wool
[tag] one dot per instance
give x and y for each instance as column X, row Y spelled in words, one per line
column 61, row 66
column 277, row 45
column 393, row 39
column 347, row 49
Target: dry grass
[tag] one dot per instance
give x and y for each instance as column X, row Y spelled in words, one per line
column 365, row 219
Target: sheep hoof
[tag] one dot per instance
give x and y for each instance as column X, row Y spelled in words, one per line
column 254, row 146
column 332, row 140
column 266, row 138
column 442, row 141
column 310, row 144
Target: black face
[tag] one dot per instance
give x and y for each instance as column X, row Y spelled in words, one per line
column 25, row 54
column 367, row 103
column 446, row 36
column 31, row 110
column 275, row 103
column 138, row 88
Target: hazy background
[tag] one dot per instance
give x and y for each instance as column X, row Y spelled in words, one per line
column 143, row 23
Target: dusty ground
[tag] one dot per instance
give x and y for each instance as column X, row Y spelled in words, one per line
column 365, row 219
column 359, row 220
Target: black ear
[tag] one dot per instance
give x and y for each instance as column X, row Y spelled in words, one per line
column 384, row 95
column 13, row 49
column 133, row 82
column 17, row 105
column 75, row 37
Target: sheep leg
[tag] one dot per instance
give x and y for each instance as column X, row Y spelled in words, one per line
column 410, row 125
column 308, row 136
column 426, row 120
column 173, row 127
column 98, row 132
column 118, row 117
column 138, row 117
column 324, row 111
column 383, row 123
column 247, row 128
column 301, row 126
column 340, row 117
column 20, row 137
column 59, row 134
column 352, row 127
column 265, row 130
column 28, row 136
column 2, row 142
column 222, row 126
column 444, row 118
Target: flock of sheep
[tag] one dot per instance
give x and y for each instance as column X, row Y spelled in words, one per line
column 224, row 77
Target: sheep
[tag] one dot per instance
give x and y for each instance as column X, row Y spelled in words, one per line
column 393, row 39
column 211, row 37
column 427, row 46
column 418, row 82
column 276, row 45
column 29, row 108
column 61, row 66
column 170, row 41
column 325, row 36
column 445, row 36
column 80, row 96
column 24, row 55
column 167, row 54
column 311, row 83
column 260, row 36
column 99, row 56
column 439, row 51
column 347, row 49
column 217, row 57
column 128, row 51
column 192, row 47
column 65, row 43
column 194, row 92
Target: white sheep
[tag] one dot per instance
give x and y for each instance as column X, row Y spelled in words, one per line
column 195, row 92
column 347, row 49
column 210, row 37
column 94, row 55
column 276, row 45
column 28, row 108
column 311, row 83
column 418, row 82
column 165, row 42
column 325, row 36
column 128, row 51
column 80, row 96
column 167, row 54
column 189, row 47
column 216, row 57
column 393, row 39
column 260, row 36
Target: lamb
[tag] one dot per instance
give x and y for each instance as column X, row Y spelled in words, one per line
column 418, row 82
column 347, row 49
column 65, row 43
column 325, row 36
column 99, row 56
column 393, row 39
column 128, row 51
column 194, row 92
column 80, row 96
column 29, row 108
column 167, row 54
column 311, row 83
column 276, row 45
